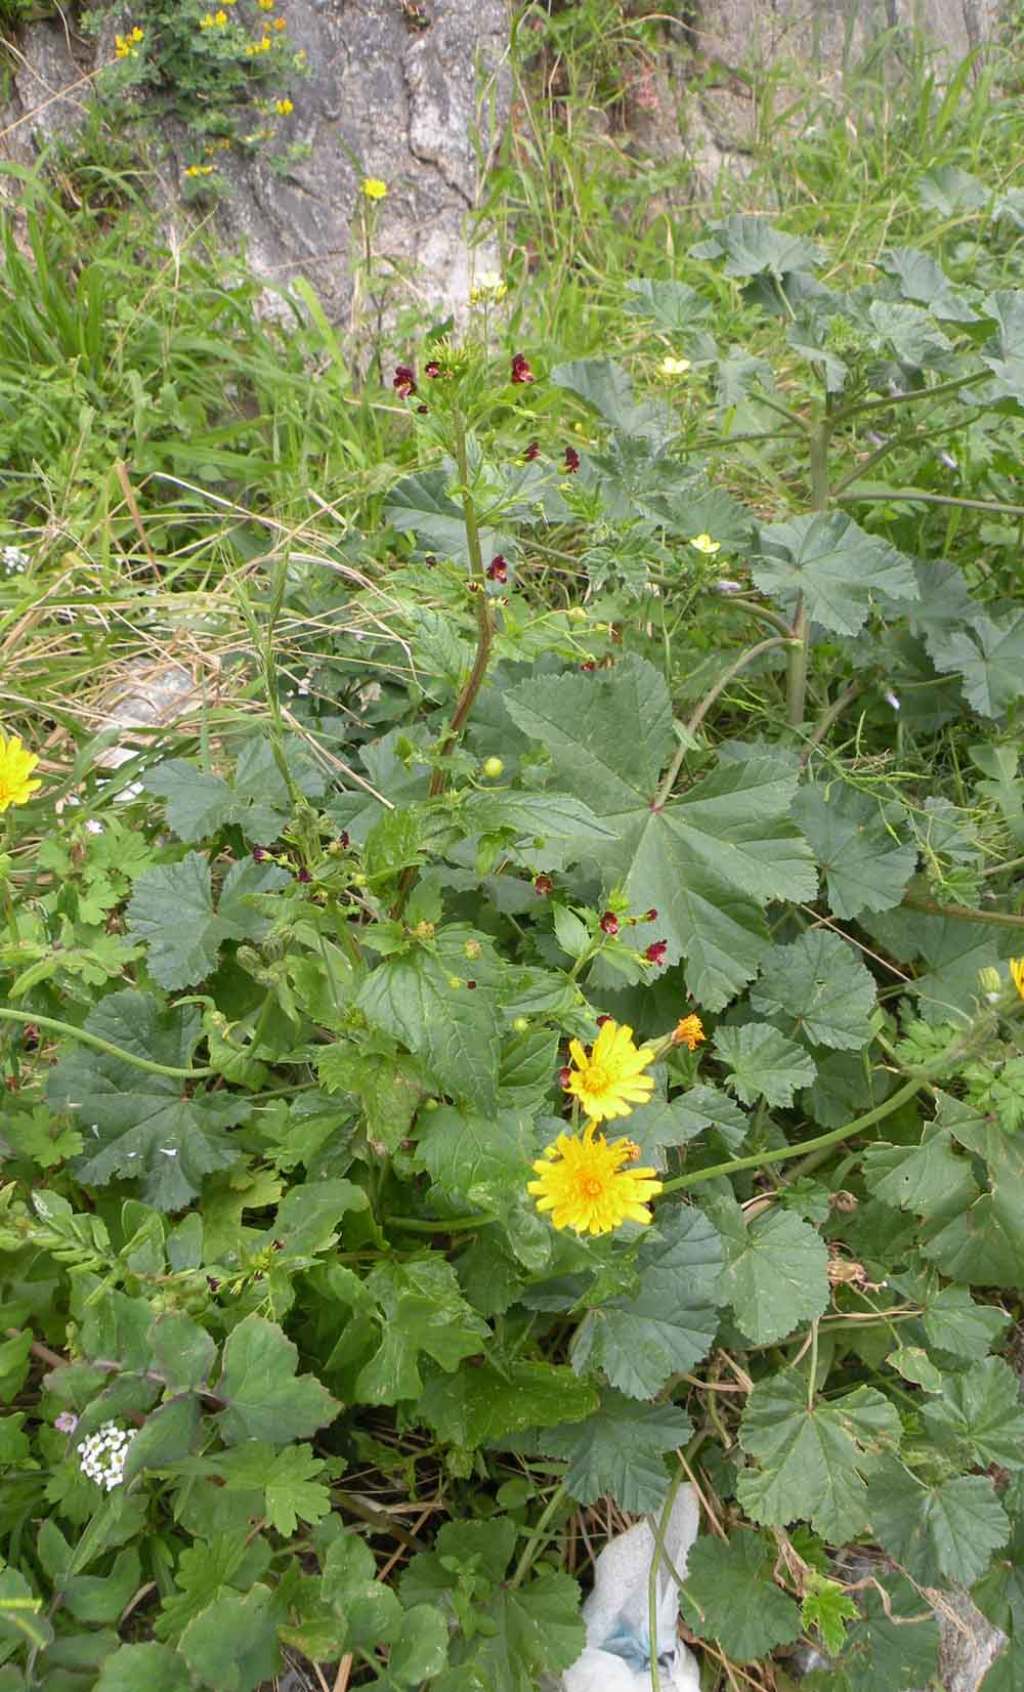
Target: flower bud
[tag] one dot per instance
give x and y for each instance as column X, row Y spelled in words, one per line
column 492, row 768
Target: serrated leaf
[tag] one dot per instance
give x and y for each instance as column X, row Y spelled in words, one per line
column 866, row 869
column 484, row 1405
column 231, row 1646
column 751, row 246
column 953, row 1322
column 482, row 1159
column 925, row 1178
column 820, row 985
column 139, row 1125
column 812, row 1458
column 827, row 1607
column 776, row 1274
column 982, row 1244
column 422, row 1310
column 895, row 1646
column 171, row 910
column 155, row 1667
column 421, row 505
column 707, row 861
column 676, row 1121
column 835, row 565
column 924, row 281
column 979, row 1416
column 536, row 1630
column 915, row 340
column 948, row 1529
column 606, row 388
column 947, row 189
column 989, row 659
column 264, row 1397
column 729, row 1596
column 763, row 1063
column 255, row 799
column 619, row 1451
column 288, row 1480
column 670, row 1324
column 422, row 998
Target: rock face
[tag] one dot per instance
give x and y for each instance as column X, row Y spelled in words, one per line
column 824, row 31
column 411, row 93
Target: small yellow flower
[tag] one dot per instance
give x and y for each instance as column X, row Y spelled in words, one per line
column 206, row 21
column 1016, row 967
column 689, row 1032
column 673, row 366
column 280, row 23
column 582, row 1183
column 489, row 286
column 199, row 170
column 138, row 34
column 610, row 1080
column 705, row 544
column 220, row 19
column 16, row 766
column 283, row 107
column 265, row 5
column 125, row 45
column 374, row 188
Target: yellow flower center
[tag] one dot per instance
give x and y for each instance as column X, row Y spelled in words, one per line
column 589, row 1186
column 595, row 1079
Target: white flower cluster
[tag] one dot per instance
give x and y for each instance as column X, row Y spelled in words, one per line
column 103, row 1455
column 13, row 560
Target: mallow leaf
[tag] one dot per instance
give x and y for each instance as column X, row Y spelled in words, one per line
column 172, row 910
column 263, row 1396
column 776, row 1273
column 819, row 989
column 835, row 565
column 729, row 1596
column 763, row 1063
column 619, row 1451
column 940, row 1530
column 866, row 866
column 142, row 1126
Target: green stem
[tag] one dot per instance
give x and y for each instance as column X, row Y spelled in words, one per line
column 963, row 913
column 835, row 710
column 920, row 497
column 445, row 1225
column 721, row 684
column 528, row 1557
column 858, row 408
column 485, row 628
column 32, row 1019
column 796, row 689
column 652, row 1577
column 751, row 606
column 782, row 1153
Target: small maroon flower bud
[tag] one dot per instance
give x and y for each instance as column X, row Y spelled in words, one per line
column 471, row 985
column 343, row 840
column 423, row 409
column 497, row 569
column 564, row 1076
column 259, row 854
column 609, row 923
column 572, row 461
column 277, row 1245
column 655, row 952
column 473, row 587
column 650, row 916
column 602, row 1019
column 543, row 884
column 213, row 1283
column 432, row 369
column 404, row 382
column 304, row 875
column 521, row 371
column 532, row 452
column 590, row 664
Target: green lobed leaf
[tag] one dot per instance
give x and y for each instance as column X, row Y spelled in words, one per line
column 171, row 910
column 763, row 1063
column 231, row 1646
column 423, row 999
column 776, row 1273
column 820, row 990
column 669, row 1325
column 729, row 1596
column 422, row 1309
column 484, row 1404
column 946, row 1529
column 835, row 565
column 989, row 659
column 929, row 1178
column 979, row 1417
column 155, row 1667
column 139, row 1125
column 264, row 1397
column 288, row 1479
column 619, row 1451
column 866, row 869
column 812, row 1459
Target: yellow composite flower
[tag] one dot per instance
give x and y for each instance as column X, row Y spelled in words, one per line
column 374, row 188
column 705, row 544
column 265, row 5
column 670, row 366
column 610, row 1079
column 283, row 108
column 16, row 766
column 689, row 1032
column 582, row 1183
column 1016, row 970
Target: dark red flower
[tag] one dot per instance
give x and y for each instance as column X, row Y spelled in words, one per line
column 471, row 985
column 602, row 1019
column 590, row 664
column 304, row 875
column 343, row 840
column 497, row 569
column 259, row 854
column 432, row 369
column 543, row 884
column 521, row 371
column 564, row 1076
column 572, row 461
column 532, row 452
column 650, row 916
column 655, row 952
column 404, row 382
column 609, row 923
column 423, row 409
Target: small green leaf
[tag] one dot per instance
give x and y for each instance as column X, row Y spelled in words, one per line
column 989, row 659
column 167, row 1435
column 928, row 1178
column 288, row 1480
column 866, row 868
column 172, row 910
column 422, row 1310
column 619, row 1450
column 835, row 565
column 423, row 999
column 979, row 1417
column 729, row 1596
column 421, row 1649
column 820, row 989
column 947, row 1529
column 751, row 246
column 231, row 1646
column 776, row 1274
column 154, row 1667
column 265, row 1397
column 483, row 1405
column 828, row 1608
column 763, row 1063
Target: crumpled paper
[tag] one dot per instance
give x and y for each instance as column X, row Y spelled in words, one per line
column 617, row 1657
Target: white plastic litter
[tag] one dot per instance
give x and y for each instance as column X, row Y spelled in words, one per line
column 617, row 1657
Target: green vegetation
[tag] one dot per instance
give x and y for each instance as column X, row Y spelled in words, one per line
column 652, row 652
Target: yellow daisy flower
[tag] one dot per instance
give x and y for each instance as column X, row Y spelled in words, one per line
column 283, row 108
column 1016, row 968
column 582, row 1183
column 16, row 766
column 610, row 1081
column 705, row 544
column 689, row 1032
column 374, row 188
